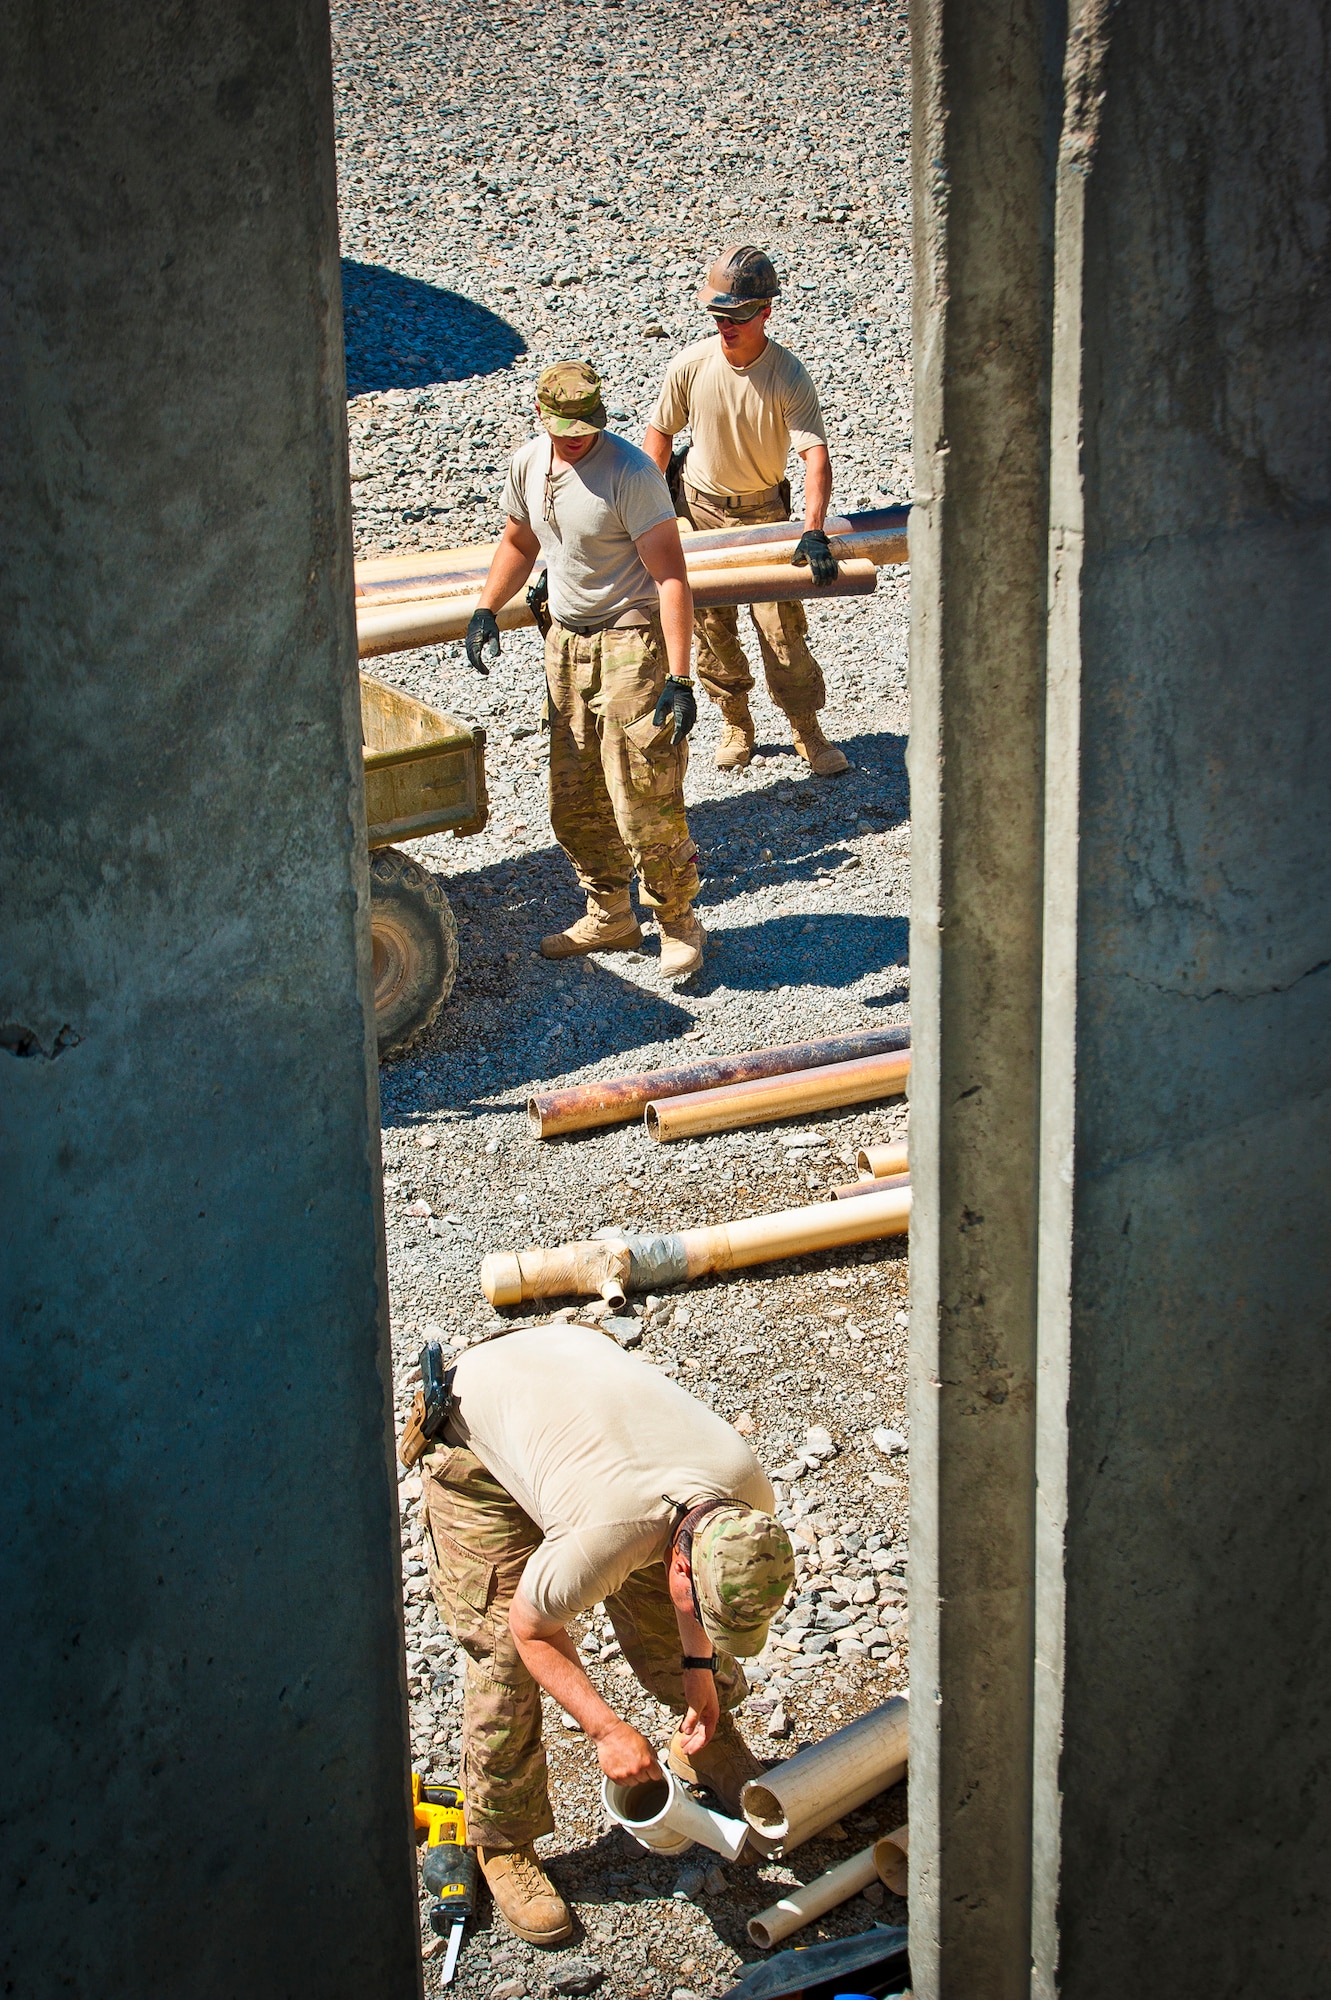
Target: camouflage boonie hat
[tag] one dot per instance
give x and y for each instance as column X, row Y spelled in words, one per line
column 568, row 396
column 743, row 1565
column 740, row 283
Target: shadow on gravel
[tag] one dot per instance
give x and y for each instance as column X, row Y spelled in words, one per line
column 831, row 950
column 802, row 822
column 516, row 1022
column 402, row 334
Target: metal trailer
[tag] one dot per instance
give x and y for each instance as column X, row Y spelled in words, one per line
column 424, row 774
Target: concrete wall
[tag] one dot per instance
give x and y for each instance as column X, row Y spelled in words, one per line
column 1172, row 1682
column 205, row 1768
column 1186, row 1202
column 984, row 137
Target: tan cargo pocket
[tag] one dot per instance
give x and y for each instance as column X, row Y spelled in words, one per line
column 464, row 1586
column 654, row 764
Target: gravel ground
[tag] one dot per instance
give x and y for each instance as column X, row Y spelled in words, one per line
column 524, row 185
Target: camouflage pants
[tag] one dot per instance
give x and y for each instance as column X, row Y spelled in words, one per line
column 616, row 783
column 477, row 1541
column 794, row 677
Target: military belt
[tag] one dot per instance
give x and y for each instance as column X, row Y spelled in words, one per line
column 736, row 503
column 622, row 621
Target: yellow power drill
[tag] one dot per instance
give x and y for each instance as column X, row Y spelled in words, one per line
column 448, row 1865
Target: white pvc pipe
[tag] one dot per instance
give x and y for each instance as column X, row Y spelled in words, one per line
column 664, row 1817
column 891, row 1856
column 788, row 1805
column 885, row 1861
column 811, row 1899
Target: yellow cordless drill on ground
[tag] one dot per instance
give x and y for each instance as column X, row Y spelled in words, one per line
column 448, row 1865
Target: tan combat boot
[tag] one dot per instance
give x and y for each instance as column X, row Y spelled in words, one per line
column 611, row 928
column 724, row 1767
column 525, row 1896
column 822, row 757
column 737, row 736
column 682, row 942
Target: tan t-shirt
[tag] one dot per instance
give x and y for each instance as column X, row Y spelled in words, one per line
column 744, row 420
column 589, row 1442
column 601, row 506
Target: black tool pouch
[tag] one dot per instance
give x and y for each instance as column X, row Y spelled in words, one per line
column 675, row 480
column 538, row 602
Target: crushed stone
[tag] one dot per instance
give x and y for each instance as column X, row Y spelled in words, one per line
column 522, row 184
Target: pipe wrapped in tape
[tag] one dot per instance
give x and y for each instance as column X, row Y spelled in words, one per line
column 612, row 1268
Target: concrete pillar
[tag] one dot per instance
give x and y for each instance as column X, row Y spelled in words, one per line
column 205, row 1735
column 1183, row 1737
column 985, row 135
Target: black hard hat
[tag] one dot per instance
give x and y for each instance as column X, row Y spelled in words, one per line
column 740, row 283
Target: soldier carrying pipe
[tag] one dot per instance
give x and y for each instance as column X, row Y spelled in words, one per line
column 747, row 400
column 567, row 1476
column 616, row 666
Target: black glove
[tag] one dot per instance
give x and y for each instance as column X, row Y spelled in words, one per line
column 814, row 549
column 677, row 700
column 675, row 476
column 482, row 641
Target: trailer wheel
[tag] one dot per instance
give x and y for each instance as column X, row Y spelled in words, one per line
column 415, row 943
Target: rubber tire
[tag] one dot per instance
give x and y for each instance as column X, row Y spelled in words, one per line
column 415, row 942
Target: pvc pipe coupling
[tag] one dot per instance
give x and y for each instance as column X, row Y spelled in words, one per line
column 663, row 1817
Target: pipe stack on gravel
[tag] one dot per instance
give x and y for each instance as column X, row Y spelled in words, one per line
column 616, row 1099
column 766, row 1098
column 789, row 1804
column 615, row 1266
column 890, row 1163
column 884, row 1862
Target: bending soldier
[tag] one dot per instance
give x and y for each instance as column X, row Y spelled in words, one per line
column 571, row 1475
column 616, row 665
column 746, row 401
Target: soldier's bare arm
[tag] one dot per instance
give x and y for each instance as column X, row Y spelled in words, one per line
column 817, row 485
column 551, row 1659
column 704, row 1706
column 658, row 447
column 510, row 566
column 662, row 553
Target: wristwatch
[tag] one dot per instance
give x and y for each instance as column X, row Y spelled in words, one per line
column 688, row 1663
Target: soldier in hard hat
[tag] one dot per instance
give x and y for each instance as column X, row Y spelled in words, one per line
column 747, row 400
column 617, row 665
column 570, row 1477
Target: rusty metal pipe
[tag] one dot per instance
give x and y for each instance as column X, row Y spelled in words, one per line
column 616, row 1266
column 467, row 579
column 768, row 1098
column 619, row 1098
column 853, row 1190
column 880, row 1160
column 399, row 628
column 415, row 575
